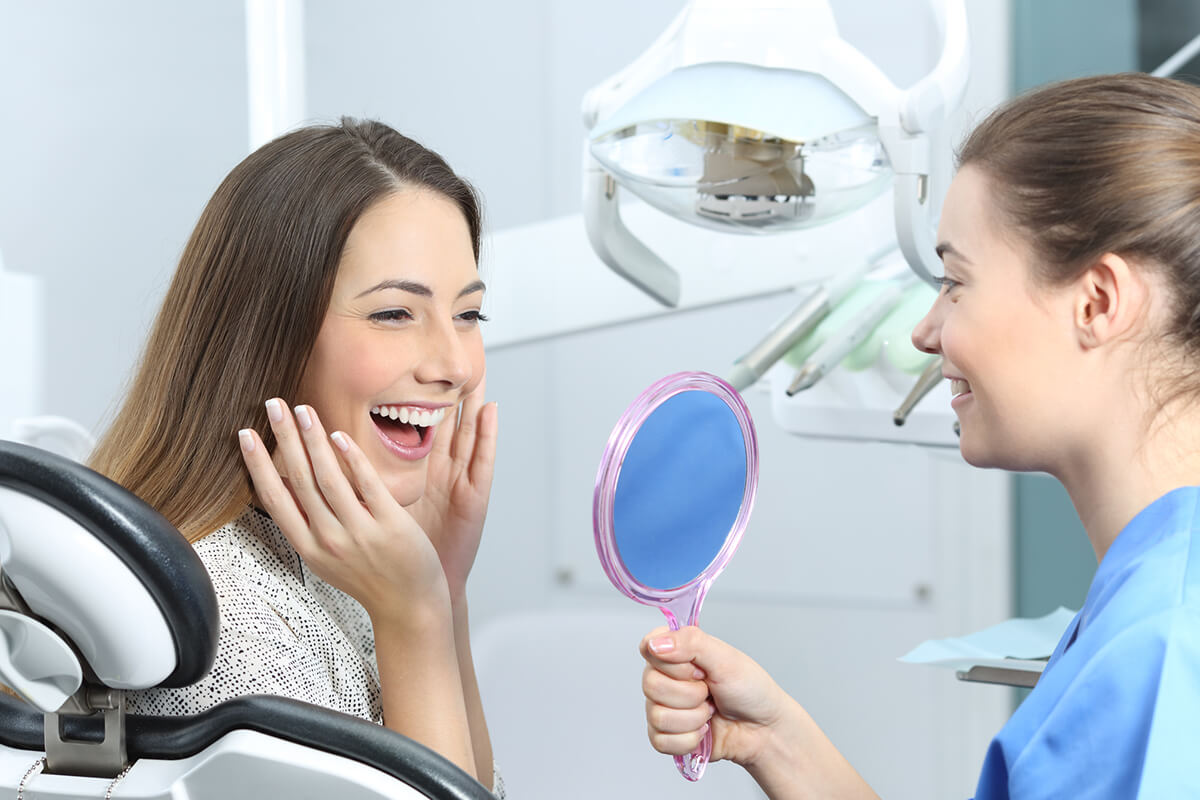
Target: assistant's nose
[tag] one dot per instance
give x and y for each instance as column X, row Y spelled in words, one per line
column 927, row 335
column 445, row 359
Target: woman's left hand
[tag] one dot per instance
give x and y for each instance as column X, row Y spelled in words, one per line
column 457, row 486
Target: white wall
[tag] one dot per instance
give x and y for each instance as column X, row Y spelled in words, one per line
column 118, row 121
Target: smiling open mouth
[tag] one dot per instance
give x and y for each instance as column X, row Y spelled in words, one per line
column 406, row 426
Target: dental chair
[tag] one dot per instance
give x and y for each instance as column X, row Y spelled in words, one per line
column 100, row 594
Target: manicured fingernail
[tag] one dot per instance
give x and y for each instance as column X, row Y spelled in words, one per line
column 303, row 417
column 661, row 645
column 340, row 440
column 275, row 409
column 698, row 674
column 246, row 440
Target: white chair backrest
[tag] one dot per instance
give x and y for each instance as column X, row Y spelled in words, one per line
column 68, row 577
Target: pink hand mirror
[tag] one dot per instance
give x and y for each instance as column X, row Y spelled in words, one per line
column 673, row 496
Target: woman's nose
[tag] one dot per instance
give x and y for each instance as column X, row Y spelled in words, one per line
column 926, row 336
column 445, row 359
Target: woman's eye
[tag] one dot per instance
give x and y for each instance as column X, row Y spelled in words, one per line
column 391, row 315
column 474, row 316
column 946, row 284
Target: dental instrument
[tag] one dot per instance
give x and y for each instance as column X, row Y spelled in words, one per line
column 830, row 354
column 795, row 326
column 930, row 378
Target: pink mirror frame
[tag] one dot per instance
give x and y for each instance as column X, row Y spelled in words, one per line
column 680, row 605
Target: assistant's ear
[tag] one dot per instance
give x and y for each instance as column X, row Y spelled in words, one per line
column 1111, row 297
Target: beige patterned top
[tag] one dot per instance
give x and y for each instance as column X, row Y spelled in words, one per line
column 284, row 631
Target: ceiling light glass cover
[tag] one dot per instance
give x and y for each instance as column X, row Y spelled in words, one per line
column 734, row 178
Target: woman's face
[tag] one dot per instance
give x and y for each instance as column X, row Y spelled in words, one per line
column 400, row 345
column 1008, row 342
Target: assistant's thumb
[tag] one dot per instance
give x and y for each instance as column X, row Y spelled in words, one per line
column 713, row 657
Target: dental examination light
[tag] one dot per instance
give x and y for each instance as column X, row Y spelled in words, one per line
column 757, row 117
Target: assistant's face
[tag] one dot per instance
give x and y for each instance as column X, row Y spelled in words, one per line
column 400, row 345
column 1006, row 340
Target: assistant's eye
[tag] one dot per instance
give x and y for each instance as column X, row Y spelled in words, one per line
column 946, row 284
column 391, row 315
column 475, row 316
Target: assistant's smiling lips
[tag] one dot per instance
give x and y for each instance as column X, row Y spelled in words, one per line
column 960, row 391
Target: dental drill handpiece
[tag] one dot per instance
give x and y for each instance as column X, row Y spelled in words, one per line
column 794, row 327
column 845, row 339
column 930, row 377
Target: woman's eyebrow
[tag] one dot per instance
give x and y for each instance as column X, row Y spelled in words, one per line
column 412, row 287
column 477, row 286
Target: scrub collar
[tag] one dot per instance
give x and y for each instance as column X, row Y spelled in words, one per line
column 1165, row 515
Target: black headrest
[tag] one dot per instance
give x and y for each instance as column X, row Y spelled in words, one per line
column 139, row 536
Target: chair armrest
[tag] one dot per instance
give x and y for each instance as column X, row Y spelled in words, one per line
column 171, row 738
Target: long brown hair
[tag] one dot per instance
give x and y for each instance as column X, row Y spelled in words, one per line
column 243, row 310
column 1106, row 164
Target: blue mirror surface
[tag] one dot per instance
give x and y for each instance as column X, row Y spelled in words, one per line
column 680, row 488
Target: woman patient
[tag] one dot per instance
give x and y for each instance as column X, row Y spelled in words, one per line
column 309, row 413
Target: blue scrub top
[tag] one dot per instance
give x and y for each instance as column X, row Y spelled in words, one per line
column 1116, row 714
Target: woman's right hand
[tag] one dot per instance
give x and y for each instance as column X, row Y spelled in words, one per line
column 354, row 536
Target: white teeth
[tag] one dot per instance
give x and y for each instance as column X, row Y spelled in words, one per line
column 959, row 386
column 415, row 416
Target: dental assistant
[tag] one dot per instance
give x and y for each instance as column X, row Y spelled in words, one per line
column 309, row 413
column 1069, row 323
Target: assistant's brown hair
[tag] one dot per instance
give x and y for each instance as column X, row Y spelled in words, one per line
column 242, row 313
column 1106, row 164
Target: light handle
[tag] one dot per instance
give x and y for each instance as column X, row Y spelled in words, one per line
column 617, row 247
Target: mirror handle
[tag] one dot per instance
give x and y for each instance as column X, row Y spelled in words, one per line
column 692, row 765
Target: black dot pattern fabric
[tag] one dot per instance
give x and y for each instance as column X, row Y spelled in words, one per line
column 284, row 631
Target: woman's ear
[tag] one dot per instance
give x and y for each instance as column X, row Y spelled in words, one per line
column 1111, row 297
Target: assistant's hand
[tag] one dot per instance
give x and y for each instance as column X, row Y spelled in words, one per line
column 372, row 548
column 458, row 484
column 693, row 680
